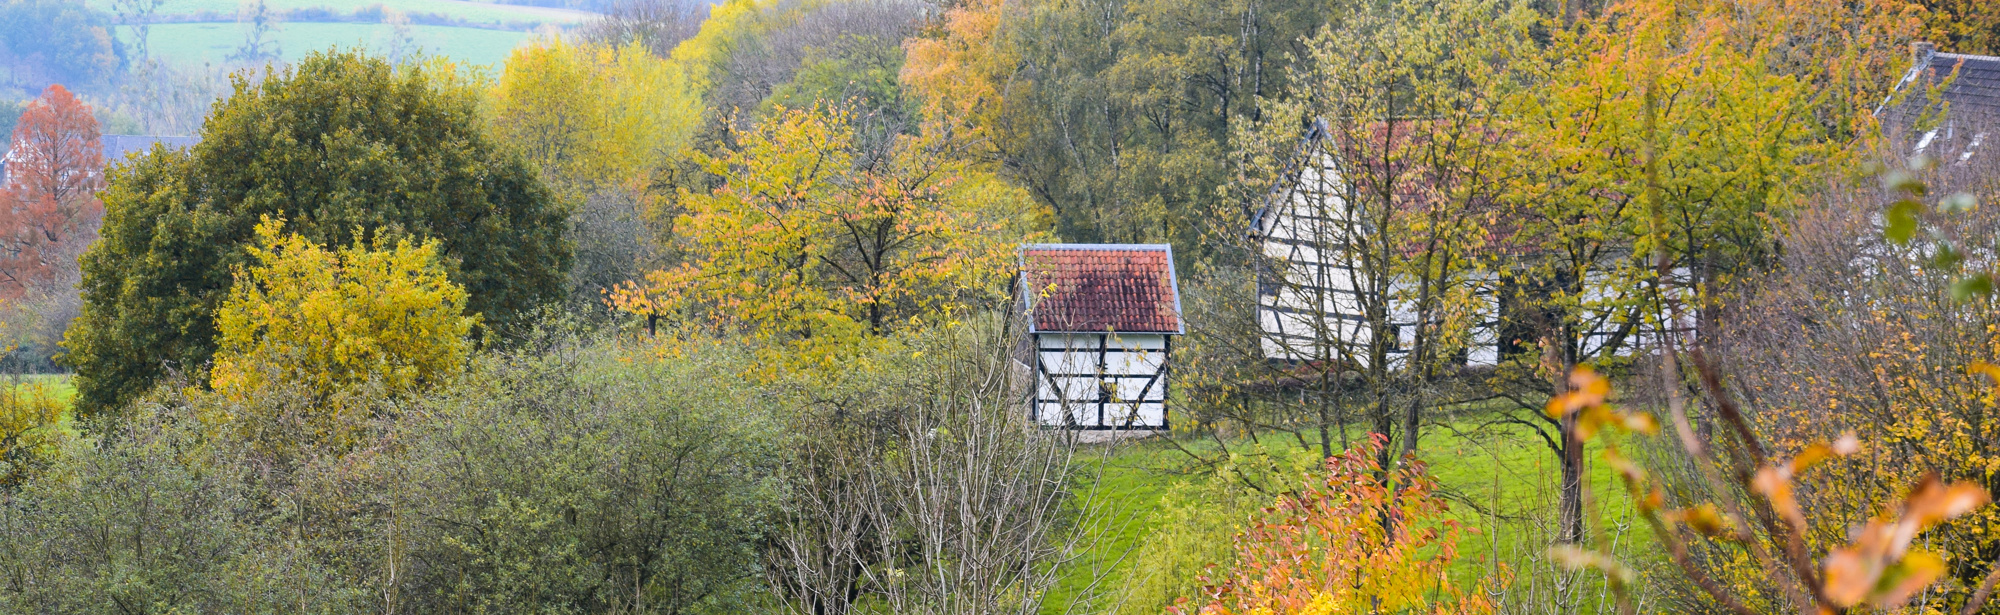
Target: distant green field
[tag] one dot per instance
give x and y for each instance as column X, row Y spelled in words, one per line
column 59, row 384
column 472, row 11
column 63, row 389
column 211, row 43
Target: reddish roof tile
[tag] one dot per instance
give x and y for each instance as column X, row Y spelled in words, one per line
column 1124, row 288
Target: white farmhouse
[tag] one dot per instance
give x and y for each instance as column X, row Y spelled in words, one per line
column 1314, row 295
column 1101, row 325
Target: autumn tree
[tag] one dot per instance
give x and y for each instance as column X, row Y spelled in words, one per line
column 594, row 116
column 602, row 123
column 1118, row 114
column 802, row 48
column 958, row 67
column 49, row 212
column 1889, row 339
column 808, row 241
column 340, row 145
column 1963, row 26
column 54, row 170
column 1664, row 130
column 327, row 321
column 658, row 25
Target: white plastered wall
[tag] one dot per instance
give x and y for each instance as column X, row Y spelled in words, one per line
column 1101, row 380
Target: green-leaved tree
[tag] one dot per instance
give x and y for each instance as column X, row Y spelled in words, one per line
column 343, row 146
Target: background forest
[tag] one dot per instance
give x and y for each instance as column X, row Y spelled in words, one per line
column 674, row 307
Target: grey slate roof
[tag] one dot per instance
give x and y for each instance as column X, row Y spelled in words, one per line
column 1965, row 117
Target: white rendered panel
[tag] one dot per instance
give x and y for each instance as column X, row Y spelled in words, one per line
column 1101, row 381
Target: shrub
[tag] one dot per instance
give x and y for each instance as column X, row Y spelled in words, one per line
column 329, row 321
column 1363, row 539
column 575, row 478
column 566, row 477
column 157, row 518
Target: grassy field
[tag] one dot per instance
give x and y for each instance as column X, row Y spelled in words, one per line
column 471, row 11
column 211, row 43
column 64, row 390
column 1500, row 481
column 59, row 384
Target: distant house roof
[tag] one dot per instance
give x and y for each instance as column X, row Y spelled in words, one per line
column 1965, row 110
column 1415, row 189
column 1098, row 288
column 117, row 146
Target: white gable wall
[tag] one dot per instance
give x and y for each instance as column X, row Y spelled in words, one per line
column 1322, row 297
column 1101, row 380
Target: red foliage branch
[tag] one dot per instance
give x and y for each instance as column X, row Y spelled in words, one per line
column 49, row 210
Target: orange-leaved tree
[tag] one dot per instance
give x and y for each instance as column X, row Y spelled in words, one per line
column 48, row 208
column 960, row 67
column 812, row 240
column 1351, row 542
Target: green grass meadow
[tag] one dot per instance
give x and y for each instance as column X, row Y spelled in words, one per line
column 60, row 385
column 1501, row 483
column 59, row 382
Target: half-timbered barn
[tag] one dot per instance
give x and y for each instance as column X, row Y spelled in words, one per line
column 1314, row 296
column 1101, row 322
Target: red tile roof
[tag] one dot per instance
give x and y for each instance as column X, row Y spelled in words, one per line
column 1123, row 288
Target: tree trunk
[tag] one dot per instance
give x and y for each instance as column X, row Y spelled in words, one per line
column 1325, row 409
column 1570, row 503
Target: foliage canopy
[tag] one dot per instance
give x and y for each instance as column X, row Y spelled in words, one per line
column 342, row 146
column 807, row 239
column 331, row 320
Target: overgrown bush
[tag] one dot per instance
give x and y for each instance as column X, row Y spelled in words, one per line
column 157, row 518
column 567, row 476
column 914, row 482
column 571, row 477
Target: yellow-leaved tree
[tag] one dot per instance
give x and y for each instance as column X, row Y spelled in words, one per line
column 595, row 117
column 30, row 414
column 323, row 322
column 812, row 242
